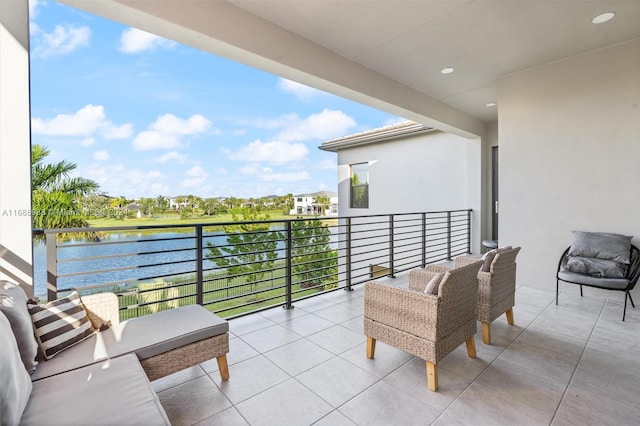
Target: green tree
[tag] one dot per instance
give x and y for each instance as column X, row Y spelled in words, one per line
column 251, row 247
column 147, row 205
column 162, row 204
column 312, row 258
column 324, row 202
column 56, row 195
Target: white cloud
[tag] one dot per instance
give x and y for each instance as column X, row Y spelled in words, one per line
column 165, row 132
column 196, row 176
column 173, row 156
column 328, row 164
column 118, row 132
column 239, row 132
column 135, row 41
column 33, row 8
column 222, row 171
column 270, row 152
column 249, row 170
column 116, row 179
column 325, row 125
column 302, row 92
column 87, row 142
column 87, row 121
column 393, row 120
column 285, row 177
column 102, row 155
column 62, row 40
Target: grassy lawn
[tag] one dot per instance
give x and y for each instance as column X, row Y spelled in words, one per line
column 173, row 219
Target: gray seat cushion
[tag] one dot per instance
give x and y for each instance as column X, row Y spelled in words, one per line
column 145, row 336
column 13, row 303
column 113, row 392
column 610, row 283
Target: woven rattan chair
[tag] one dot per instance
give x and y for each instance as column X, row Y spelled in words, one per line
column 496, row 288
column 428, row 326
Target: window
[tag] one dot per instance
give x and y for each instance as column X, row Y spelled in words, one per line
column 360, row 186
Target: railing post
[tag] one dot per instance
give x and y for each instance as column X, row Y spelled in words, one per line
column 288, row 266
column 52, row 266
column 348, row 255
column 468, row 231
column 424, row 240
column 391, row 235
column 199, row 266
column 449, row 235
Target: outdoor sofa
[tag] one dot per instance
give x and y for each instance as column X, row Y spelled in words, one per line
column 105, row 377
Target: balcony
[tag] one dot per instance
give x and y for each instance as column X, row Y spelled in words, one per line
column 575, row 363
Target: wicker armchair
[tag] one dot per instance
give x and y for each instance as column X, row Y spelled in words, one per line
column 428, row 326
column 496, row 288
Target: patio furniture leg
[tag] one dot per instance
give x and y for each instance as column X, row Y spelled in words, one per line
column 510, row 316
column 486, row 333
column 624, row 312
column 471, row 347
column 371, row 347
column 223, row 367
column 432, row 376
column 557, row 287
column 631, row 300
column 581, row 291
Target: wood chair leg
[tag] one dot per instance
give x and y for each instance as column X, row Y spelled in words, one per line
column 223, row 367
column 371, row 347
column 510, row 316
column 471, row 347
column 486, row 333
column 432, row 376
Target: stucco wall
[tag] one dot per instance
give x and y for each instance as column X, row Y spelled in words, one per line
column 569, row 155
column 15, row 172
column 431, row 172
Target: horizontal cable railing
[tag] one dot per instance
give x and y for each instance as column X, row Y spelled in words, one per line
column 234, row 268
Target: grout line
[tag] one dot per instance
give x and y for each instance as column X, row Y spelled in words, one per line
column 578, row 363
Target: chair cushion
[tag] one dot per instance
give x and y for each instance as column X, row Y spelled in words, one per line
column 15, row 383
column 488, row 258
column 595, row 267
column 608, row 283
column 60, row 324
column 114, row 392
column 434, row 284
column 13, row 303
column 147, row 336
column 601, row 245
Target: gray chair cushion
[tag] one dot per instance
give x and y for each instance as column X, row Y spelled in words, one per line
column 601, row 245
column 114, row 392
column 609, row 283
column 13, row 303
column 145, row 336
column 595, row 267
column 15, row 383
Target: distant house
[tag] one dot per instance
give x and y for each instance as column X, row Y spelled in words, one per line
column 175, row 205
column 307, row 204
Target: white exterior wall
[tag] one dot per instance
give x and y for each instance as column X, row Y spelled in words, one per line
column 15, row 150
column 569, row 156
column 433, row 171
column 429, row 172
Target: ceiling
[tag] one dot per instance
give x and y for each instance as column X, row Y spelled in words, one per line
column 388, row 53
column 411, row 41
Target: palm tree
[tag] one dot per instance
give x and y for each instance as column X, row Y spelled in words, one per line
column 56, row 194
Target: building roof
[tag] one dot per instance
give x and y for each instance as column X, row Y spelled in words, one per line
column 319, row 194
column 394, row 131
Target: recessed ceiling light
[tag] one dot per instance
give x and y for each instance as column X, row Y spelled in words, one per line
column 603, row 17
column 491, row 104
column 447, row 70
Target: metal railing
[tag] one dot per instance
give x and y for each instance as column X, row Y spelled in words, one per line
column 234, row 268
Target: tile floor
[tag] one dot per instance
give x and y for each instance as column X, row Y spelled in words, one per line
column 573, row 364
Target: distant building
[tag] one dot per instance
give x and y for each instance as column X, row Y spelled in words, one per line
column 307, row 204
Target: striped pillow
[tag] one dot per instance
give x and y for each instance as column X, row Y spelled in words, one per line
column 60, row 324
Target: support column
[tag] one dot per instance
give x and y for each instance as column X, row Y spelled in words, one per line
column 16, row 254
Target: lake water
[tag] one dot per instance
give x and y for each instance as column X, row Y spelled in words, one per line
column 133, row 259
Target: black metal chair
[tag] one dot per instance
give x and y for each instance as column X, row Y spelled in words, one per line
column 625, row 284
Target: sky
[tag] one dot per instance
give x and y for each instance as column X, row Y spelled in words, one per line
column 144, row 116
